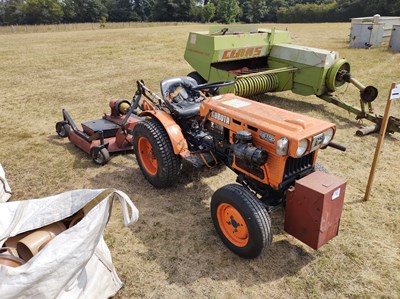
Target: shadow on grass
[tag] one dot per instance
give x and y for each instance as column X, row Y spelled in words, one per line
column 357, row 201
column 176, row 229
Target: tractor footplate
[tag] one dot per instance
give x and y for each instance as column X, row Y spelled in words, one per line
column 202, row 159
column 109, row 129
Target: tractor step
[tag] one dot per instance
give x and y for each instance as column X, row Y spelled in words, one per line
column 202, row 159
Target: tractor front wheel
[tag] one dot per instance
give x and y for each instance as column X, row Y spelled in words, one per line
column 241, row 221
column 155, row 155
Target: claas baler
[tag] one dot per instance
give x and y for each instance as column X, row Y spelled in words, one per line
column 264, row 60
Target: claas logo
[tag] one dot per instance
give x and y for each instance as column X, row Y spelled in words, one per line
column 242, row 53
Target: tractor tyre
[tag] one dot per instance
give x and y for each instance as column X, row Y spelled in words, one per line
column 63, row 129
column 155, row 155
column 241, row 221
column 100, row 156
column 196, row 76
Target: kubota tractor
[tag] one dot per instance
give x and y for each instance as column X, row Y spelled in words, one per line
column 272, row 151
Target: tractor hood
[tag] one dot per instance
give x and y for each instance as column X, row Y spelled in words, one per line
column 266, row 123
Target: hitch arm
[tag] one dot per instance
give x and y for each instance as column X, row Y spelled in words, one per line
column 393, row 124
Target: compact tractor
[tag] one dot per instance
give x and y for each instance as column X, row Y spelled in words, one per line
column 263, row 60
column 272, row 151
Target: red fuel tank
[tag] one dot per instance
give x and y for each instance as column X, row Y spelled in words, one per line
column 314, row 207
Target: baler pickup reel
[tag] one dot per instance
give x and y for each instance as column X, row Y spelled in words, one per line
column 263, row 60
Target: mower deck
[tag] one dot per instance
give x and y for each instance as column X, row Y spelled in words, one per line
column 102, row 136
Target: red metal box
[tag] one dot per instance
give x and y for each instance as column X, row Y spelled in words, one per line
column 314, row 207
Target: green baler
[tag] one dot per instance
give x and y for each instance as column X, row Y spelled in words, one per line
column 263, row 60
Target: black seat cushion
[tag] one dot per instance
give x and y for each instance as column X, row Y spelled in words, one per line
column 178, row 96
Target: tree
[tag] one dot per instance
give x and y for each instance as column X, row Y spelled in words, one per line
column 208, row 12
column 227, row 10
column 173, row 10
column 272, row 9
column 118, row 10
column 42, row 11
column 83, row 11
column 359, row 8
column 310, row 13
column 253, row 11
column 2, row 12
column 12, row 12
column 203, row 13
column 142, row 10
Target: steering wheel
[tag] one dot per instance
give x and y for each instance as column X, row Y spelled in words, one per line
column 212, row 85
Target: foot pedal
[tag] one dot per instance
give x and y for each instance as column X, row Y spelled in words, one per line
column 202, row 159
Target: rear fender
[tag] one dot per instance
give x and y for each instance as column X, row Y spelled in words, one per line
column 173, row 130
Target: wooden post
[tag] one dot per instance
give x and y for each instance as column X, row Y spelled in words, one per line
column 382, row 133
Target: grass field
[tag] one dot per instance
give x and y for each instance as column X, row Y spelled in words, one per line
column 173, row 250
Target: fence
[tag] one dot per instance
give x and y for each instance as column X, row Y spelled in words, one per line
column 14, row 29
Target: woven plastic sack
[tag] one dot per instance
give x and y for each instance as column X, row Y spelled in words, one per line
column 5, row 190
column 76, row 263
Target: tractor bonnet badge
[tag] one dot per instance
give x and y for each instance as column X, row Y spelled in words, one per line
column 220, row 117
column 317, row 140
column 267, row 137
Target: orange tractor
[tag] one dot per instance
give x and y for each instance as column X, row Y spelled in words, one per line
column 272, row 151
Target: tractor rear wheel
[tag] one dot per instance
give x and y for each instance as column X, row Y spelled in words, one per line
column 63, row 129
column 155, row 155
column 241, row 221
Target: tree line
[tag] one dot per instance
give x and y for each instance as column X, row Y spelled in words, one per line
column 224, row 11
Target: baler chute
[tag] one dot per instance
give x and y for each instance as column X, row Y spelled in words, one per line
column 263, row 60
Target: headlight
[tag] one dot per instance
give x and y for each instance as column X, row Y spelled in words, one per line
column 328, row 134
column 282, row 146
column 302, row 148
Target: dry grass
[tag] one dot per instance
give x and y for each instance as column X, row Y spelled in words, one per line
column 173, row 251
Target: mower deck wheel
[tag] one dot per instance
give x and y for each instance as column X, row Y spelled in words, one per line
column 241, row 221
column 63, row 129
column 100, row 156
column 154, row 154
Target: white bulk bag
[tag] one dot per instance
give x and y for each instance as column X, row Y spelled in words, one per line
column 5, row 190
column 76, row 263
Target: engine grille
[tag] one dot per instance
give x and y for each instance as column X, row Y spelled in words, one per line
column 297, row 165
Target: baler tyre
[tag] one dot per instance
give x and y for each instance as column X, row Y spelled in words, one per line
column 63, row 129
column 100, row 157
column 155, row 155
column 241, row 221
column 196, row 76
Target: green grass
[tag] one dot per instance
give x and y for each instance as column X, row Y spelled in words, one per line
column 173, row 250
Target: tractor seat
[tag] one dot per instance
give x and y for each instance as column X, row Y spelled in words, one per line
column 178, row 96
